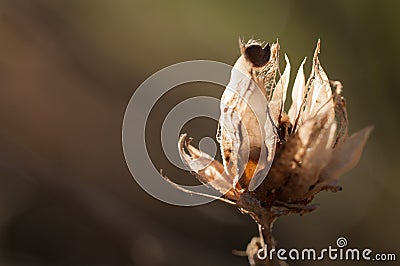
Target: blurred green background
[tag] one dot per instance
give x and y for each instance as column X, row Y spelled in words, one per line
column 67, row 72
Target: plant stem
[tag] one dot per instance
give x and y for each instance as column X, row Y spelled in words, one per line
column 264, row 241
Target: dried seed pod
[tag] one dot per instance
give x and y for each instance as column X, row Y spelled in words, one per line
column 275, row 162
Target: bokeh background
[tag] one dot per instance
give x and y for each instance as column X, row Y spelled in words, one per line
column 67, row 71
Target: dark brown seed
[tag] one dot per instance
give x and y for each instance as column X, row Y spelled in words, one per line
column 257, row 55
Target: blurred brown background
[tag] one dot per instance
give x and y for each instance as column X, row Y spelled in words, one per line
column 67, row 72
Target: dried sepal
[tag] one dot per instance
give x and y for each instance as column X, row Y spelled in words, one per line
column 318, row 97
column 346, row 155
column 269, row 72
column 340, row 114
column 277, row 101
column 298, row 94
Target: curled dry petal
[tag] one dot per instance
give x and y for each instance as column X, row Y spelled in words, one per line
column 208, row 171
column 243, row 116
